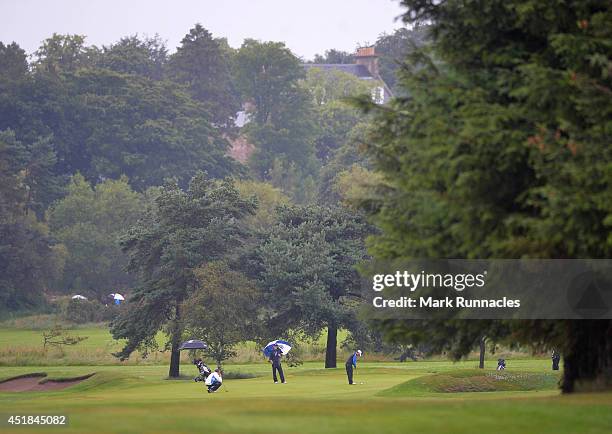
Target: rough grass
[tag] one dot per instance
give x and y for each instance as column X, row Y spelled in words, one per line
column 21, row 344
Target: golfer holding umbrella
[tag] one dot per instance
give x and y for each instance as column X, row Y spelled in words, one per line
column 274, row 351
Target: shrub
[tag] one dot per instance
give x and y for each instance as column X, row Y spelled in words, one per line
column 86, row 311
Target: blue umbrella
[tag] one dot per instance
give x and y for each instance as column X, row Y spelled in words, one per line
column 193, row 344
column 284, row 346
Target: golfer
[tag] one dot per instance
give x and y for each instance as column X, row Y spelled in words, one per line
column 275, row 359
column 214, row 381
column 351, row 363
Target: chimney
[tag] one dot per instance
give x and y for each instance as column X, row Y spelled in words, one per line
column 367, row 57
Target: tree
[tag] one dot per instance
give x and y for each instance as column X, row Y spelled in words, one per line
column 131, row 55
column 307, row 264
column 334, row 56
column 13, row 61
column 358, row 187
column 349, row 154
column 204, row 66
column 394, row 48
column 180, row 231
column 335, row 117
column 42, row 184
column 58, row 337
column 282, row 123
column 88, row 222
column 222, row 311
column 268, row 199
column 267, row 73
column 61, row 53
column 28, row 257
column 509, row 119
column 328, row 86
column 104, row 124
column 13, row 157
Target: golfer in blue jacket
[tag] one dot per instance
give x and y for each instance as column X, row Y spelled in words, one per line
column 275, row 359
column 351, row 363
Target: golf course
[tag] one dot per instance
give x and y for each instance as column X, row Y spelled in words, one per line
column 316, row 217
column 423, row 396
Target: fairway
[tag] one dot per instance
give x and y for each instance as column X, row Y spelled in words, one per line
column 129, row 398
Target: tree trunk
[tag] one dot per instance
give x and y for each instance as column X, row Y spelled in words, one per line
column 332, row 341
column 482, row 352
column 175, row 355
column 587, row 359
column 175, row 359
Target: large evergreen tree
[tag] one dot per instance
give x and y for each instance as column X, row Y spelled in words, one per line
column 202, row 63
column 307, row 269
column 180, row 232
column 502, row 150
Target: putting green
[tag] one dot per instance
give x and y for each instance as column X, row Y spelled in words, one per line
column 128, row 399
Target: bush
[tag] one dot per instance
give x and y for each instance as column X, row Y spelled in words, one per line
column 85, row 311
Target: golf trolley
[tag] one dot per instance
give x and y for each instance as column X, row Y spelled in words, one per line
column 205, row 371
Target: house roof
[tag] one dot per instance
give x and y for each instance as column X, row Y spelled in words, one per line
column 359, row 71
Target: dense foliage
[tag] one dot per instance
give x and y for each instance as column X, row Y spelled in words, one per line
column 307, row 271
column 501, row 149
column 180, row 231
column 29, row 258
column 223, row 310
column 88, row 222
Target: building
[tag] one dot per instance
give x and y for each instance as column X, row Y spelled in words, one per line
column 364, row 68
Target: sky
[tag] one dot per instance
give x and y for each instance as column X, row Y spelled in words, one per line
column 307, row 27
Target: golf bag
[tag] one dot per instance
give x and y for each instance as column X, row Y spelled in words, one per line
column 204, row 370
column 501, row 364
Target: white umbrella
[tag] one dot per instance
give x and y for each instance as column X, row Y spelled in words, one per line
column 118, row 296
column 284, row 346
column 78, row 297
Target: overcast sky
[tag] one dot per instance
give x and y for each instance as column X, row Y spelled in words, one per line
column 306, row 26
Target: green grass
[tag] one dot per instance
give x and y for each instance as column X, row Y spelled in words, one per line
column 475, row 380
column 394, row 397
column 122, row 399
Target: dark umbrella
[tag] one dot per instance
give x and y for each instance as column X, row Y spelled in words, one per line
column 193, row 344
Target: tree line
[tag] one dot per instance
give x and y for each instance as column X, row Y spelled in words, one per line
column 100, row 146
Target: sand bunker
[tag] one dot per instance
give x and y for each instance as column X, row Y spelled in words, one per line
column 37, row 383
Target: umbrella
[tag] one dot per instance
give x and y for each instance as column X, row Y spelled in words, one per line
column 118, row 296
column 78, row 297
column 193, row 344
column 284, row 346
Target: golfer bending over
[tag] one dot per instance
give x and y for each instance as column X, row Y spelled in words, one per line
column 351, row 363
column 275, row 359
column 214, row 381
